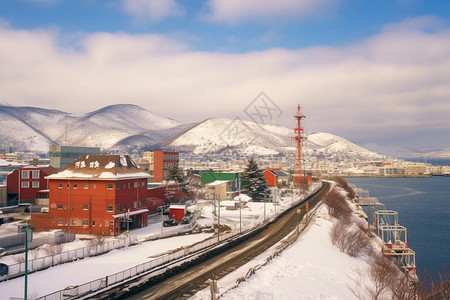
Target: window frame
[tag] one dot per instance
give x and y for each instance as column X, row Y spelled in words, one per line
column 35, row 172
column 23, row 172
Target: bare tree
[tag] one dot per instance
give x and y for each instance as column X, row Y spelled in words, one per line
column 97, row 240
column 194, row 187
column 338, row 206
column 384, row 281
column 52, row 250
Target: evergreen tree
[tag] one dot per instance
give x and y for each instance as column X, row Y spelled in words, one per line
column 253, row 182
column 177, row 175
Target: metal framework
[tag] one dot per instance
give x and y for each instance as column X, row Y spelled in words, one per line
column 298, row 137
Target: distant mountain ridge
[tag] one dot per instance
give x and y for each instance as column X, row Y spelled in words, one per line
column 132, row 129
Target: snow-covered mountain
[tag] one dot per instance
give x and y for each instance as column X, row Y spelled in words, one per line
column 129, row 128
column 34, row 129
column 216, row 135
column 335, row 146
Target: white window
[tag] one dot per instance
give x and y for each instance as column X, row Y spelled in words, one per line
column 135, row 184
column 25, row 174
column 85, row 222
column 74, row 222
column 85, row 186
column 59, row 206
column 85, row 207
column 35, row 174
column 60, row 222
column 25, row 184
column 75, row 186
column 109, row 186
column 109, row 208
column 35, row 184
column 59, row 185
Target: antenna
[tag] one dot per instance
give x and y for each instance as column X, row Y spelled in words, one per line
column 298, row 137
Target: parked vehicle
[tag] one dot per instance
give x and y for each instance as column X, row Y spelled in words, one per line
column 170, row 222
column 3, row 269
column 185, row 220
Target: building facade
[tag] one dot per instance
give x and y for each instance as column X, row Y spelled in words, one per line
column 161, row 161
column 62, row 156
column 96, row 194
column 24, row 183
column 220, row 190
column 208, row 177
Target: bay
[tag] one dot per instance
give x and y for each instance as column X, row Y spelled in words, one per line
column 423, row 206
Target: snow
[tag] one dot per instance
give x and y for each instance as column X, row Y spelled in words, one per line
column 311, row 268
column 92, row 268
column 217, row 182
column 110, row 165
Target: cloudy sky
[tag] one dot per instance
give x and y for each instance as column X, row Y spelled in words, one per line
column 374, row 72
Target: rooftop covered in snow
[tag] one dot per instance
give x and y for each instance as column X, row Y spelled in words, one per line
column 101, row 167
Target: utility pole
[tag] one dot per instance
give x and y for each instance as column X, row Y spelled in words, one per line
column 28, row 238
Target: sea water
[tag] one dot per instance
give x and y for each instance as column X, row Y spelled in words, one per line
column 423, row 206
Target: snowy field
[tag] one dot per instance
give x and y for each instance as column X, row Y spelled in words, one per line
column 310, row 269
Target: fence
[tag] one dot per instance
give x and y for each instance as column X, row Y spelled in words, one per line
column 18, row 269
column 110, row 280
column 93, row 286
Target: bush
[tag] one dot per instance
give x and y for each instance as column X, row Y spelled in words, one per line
column 386, row 281
column 350, row 239
column 344, row 185
column 338, row 207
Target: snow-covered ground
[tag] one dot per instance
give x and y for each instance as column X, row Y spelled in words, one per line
column 312, row 268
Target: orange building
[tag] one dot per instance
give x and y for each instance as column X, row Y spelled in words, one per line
column 161, row 161
column 96, row 194
column 271, row 177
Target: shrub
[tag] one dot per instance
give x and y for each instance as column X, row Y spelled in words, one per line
column 338, row 207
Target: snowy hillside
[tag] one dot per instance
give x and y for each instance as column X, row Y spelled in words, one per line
column 332, row 145
column 30, row 128
column 132, row 129
column 34, row 129
column 214, row 135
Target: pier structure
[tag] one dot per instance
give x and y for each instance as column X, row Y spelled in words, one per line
column 364, row 201
column 392, row 234
column 395, row 242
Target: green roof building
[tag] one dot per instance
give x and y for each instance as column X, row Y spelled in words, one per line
column 208, row 177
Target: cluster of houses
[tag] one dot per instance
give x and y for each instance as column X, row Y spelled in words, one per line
column 109, row 194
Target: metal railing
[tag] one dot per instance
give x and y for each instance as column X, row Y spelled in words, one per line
column 79, row 291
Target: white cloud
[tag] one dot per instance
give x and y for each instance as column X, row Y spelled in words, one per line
column 152, row 10
column 233, row 11
column 391, row 85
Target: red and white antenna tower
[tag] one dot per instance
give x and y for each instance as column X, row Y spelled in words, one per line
column 299, row 137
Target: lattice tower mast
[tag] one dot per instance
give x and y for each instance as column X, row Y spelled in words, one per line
column 299, row 137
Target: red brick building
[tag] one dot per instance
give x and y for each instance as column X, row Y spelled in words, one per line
column 23, row 184
column 96, row 194
column 161, row 161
